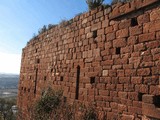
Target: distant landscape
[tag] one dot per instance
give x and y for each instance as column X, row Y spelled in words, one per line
column 8, row 85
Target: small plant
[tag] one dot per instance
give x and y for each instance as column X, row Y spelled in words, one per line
column 92, row 4
column 106, row 6
column 49, row 101
column 121, row 1
column 65, row 22
column 89, row 114
column 51, row 26
column 43, row 29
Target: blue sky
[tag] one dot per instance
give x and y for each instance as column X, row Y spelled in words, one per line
column 20, row 19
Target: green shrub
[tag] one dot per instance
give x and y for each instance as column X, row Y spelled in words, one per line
column 89, row 114
column 92, row 4
column 122, row 1
column 50, row 101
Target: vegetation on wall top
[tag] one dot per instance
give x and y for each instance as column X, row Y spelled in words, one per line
column 92, row 4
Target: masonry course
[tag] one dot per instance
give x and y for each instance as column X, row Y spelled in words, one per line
column 115, row 51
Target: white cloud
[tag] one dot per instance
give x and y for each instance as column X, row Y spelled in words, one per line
column 10, row 63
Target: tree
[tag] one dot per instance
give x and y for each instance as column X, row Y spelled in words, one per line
column 92, row 4
column 5, row 109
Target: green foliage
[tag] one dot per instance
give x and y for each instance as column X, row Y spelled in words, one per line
column 5, row 108
column 51, row 106
column 105, row 6
column 89, row 114
column 92, row 4
column 121, row 1
column 43, row 29
column 50, row 101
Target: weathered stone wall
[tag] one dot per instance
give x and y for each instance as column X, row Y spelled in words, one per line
column 107, row 56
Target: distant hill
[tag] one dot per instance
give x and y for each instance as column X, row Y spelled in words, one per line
column 8, row 81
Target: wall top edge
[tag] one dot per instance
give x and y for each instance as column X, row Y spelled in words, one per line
column 113, row 12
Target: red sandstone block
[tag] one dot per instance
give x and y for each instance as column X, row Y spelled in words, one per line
column 90, row 18
column 105, row 23
column 94, row 64
column 153, row 44
column 136, row 80
column 127, row 49
column 84, row 21
column 126, row 102
column 127, row 117
column 158, row 35
column 124, row 80
column 87, row 29
column 142, row 88
column 105, row 73
column 146, row 37
column 132, row 40
column 100, row 32
column 108, row 45
column 96, row 52
column 123, row 95
column 147, row 64
column 121, row 42
column 90, row 53
column 155, row 15
column 103, row 92
column 148, row 98
column 114, row 105
column 139, row 47
column 110, row 36
column 124, row 8
column 115, row 27
column 119, row 87
column 88, row 60
column 151, row 26
column 121, row 61
column 107, row 62
column 122, row 33
column 100, row 45
column 133, row 96
column 120, row 73
column 134, row 110
column 155, row 71
column 156, row 57
column 111, row 87
column 143, row 18
column 96, row 26
column 99, row 14
column 101, row 86
column 109, row 29
column 137, row 104
column 137, row 30
column 105, row 52
column 130, row 72
column 154, row 90
column 124, row 24
column 150, row 110
column 155, row 51
column 129, row 87
column 90, row 35
column 115, row 67
column 115, row 12
column 147, row 58
column 143, row 72
column 112, row 115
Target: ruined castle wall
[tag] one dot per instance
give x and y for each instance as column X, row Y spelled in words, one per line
column 107, row 56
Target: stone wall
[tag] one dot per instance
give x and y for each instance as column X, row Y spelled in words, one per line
column 107, row 56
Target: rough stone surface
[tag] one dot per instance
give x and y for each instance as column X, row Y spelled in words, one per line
column 121, row 59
